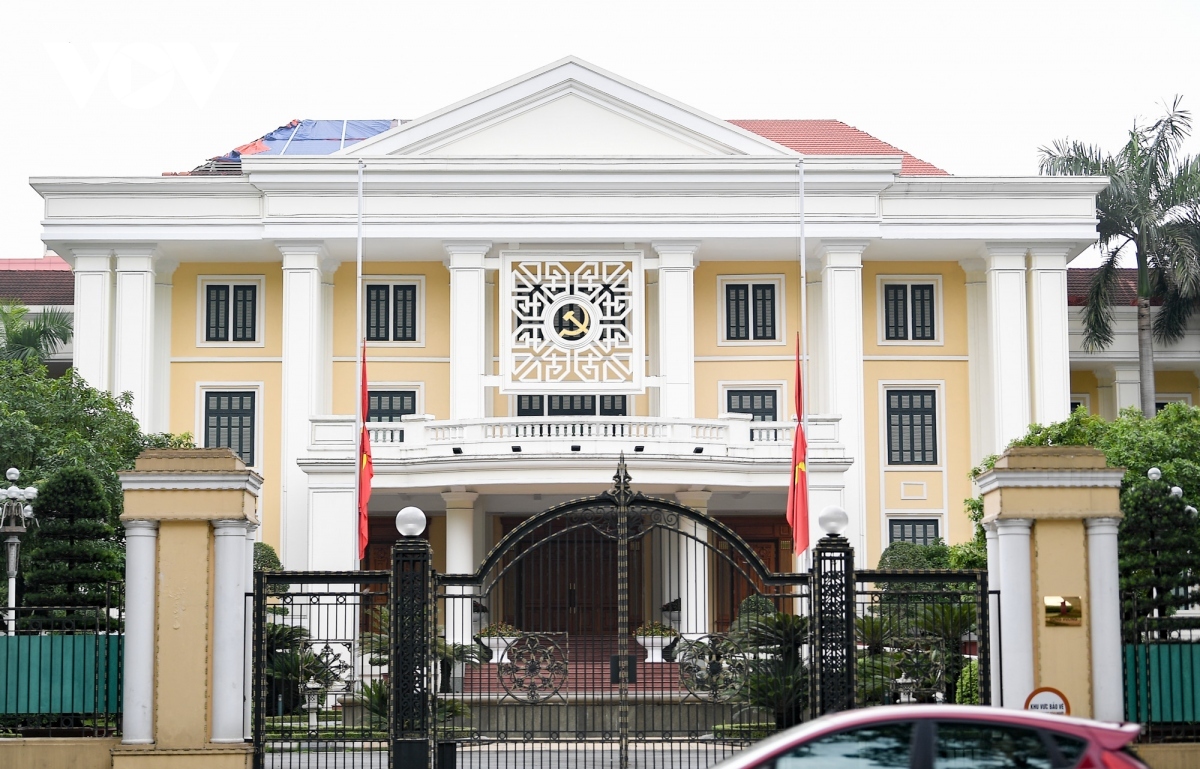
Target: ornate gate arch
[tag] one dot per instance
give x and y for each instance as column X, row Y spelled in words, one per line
column 597, row 614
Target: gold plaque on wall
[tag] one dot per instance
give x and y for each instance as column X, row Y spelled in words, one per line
column 1063, row 610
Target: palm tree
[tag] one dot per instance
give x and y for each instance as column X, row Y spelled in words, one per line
column 1150, row 205
column 36, row 339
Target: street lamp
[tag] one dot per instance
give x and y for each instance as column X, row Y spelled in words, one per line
column 16, row 513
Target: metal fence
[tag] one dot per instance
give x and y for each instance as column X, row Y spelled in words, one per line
column 61, row 669
column 922, row 637
column 320, row 674
column 1162, row 672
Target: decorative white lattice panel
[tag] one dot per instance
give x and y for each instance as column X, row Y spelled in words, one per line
column 572, row 321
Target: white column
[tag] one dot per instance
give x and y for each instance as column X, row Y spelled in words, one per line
column 1108, row 698
column 468, row 328
column 93, row 341
column 979, row 374
column 302, row 369
column 676, row 329
column 133, row 335
column 1127, row 387
column 993, row 629
column 818, row 399
column 653, row 348
column 160, row 416
column 229, row 633
column 460, row 559
column 1049, row 347
column 248, row 656
column 693, row 582
column 141, row 541
column 1016, row 609
column 842, row 371
column 1008, row 343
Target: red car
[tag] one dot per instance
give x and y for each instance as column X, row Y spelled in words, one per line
column 944, row 737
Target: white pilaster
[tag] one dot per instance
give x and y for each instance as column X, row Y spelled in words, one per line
column 1008, row 343
column 229, row 634
column 693, row 583
column 133, row 336
column 1127, row 388
column 653, row 348
column 814, row 384
column 676, row 328
column 1104, row 591
column 460, row 559
column 468, row 327
column 1049, row 348
column 842, row 372
column 160, row 416
column 141, row 547
column 979, row 354
column 93, row 316
column 1016, row 615
column 303, row 347
column 993, row 567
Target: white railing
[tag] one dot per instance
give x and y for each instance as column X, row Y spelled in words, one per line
column 731, row 435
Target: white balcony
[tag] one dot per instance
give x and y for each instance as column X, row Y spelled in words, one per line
column 734, row 437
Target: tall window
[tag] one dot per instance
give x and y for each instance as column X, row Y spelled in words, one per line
column 750, row 309
column 391, row 312
column 761, row 404
column 909, row 312
column 230, row 312
column 572, row 405
column 390, row 405
column 912, row 427
column 919, row 531
column 229, row 423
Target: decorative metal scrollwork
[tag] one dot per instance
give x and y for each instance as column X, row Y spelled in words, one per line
column 712, row 667
column 536, row 669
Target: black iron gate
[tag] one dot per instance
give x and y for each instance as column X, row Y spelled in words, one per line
column 591, row 636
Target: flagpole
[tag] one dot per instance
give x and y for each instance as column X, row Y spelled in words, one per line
column 359, row 352
column 805, row 559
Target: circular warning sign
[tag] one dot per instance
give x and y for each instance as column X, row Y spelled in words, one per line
column 1048, row 700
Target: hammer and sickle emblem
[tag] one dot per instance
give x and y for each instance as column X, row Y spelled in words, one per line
column 578, row 330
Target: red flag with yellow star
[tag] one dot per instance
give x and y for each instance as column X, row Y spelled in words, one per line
column 366, row 470
column 797, row 504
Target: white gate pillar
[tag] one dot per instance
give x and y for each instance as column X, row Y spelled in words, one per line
column 229, row 630
column 1108, row 698
column 141, row 540
column 1016, row 612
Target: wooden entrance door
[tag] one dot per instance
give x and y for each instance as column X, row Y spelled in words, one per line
column 771, row 538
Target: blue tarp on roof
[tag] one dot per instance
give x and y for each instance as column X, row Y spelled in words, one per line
column 311, row 137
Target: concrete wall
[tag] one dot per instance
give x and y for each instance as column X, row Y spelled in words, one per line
column 57, row 753
column 1170, row 755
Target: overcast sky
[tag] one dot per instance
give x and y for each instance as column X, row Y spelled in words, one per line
column 123, row 88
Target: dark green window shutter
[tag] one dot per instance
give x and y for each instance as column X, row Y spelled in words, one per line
column 390, row 405
column 761, row 404
column 737, row 311
column 216, row 314
column 530, row 406
column 613, row 406
column 571, row 405
column 229, row 423
column 912, row 427
column 919, row 531
column 245, row 309
column 405, row 311
column 895, row 311
column 764, row 311
column 923, row 327
column 377, row 313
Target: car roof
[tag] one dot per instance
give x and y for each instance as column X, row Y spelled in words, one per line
column 1109, row 735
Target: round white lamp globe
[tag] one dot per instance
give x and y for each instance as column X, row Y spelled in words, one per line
column 1154, row 473
column 1189, row 510
column 31, row 493
column 13, row 474
column 410, row 521
column 833, row 520
column 1176, row 491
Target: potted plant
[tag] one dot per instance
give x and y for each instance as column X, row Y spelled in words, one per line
column 671, row 610
column 497, row 637
column 655, row 636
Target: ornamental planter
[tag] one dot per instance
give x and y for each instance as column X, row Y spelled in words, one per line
column 499, row 647
column 654, row 645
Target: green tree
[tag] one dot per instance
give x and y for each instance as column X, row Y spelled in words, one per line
column 71, row 556
column 47, row 424
column 1150, row 206
column 36, row 339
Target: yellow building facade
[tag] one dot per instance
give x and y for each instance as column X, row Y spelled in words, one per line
column 568, row 267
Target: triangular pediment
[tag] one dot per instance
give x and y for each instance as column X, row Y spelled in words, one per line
column 569, row 108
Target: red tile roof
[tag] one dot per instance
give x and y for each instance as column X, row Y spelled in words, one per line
column 1079, row 280
column 36, row 287
column 833, row 137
